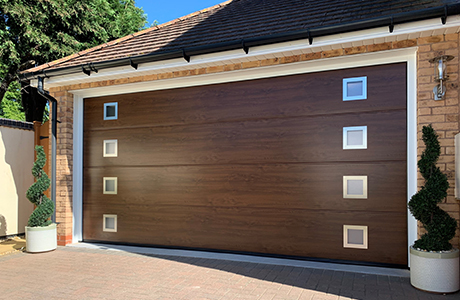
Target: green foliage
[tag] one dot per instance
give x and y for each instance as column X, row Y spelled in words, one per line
column 44, row 206
column 39, row 31
column 45, row 30
column 440, row 226
column 11, row 107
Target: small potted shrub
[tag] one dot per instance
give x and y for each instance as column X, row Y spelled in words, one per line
column 434, row 263
column 40, row 231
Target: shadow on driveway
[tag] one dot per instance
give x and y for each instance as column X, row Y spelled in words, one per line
column 82, row 273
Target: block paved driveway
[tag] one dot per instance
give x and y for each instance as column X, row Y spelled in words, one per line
column 80, row 273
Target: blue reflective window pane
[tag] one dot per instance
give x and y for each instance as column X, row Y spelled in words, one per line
column 354, row 88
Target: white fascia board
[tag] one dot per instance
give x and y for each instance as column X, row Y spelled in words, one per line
column 343, row 40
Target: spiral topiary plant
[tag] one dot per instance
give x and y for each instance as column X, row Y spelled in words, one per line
column 44, row 206
column 440, row 226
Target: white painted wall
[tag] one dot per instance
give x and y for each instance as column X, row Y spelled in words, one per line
column 16, row 161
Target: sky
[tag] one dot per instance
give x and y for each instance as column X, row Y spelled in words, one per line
column 167, row 10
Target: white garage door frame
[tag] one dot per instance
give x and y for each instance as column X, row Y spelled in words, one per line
column 407, row 55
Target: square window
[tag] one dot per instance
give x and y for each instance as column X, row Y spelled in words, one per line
column 109, row 223
column 354, row 88
column 110, row 185
column 110, row 148
column 355, row 137
column 355, row 236
column 111, row 111
column 355, row 187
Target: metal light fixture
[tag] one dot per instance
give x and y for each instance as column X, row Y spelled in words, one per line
column 440, row 75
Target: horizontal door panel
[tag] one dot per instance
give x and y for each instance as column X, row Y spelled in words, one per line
column 304, row 139
column 296, row 186
column 296, row 95
column 273, row 231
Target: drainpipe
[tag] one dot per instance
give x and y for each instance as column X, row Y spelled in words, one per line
column 54, row 121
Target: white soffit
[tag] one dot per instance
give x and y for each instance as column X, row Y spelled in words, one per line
column 379, row 35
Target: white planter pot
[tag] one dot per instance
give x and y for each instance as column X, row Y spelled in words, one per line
column 435, row 272
column 41, row 239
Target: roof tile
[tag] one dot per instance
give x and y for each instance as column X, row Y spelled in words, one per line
column 241, row 19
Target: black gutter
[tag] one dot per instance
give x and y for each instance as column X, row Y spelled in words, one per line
column 430, row 13
column 54, row 121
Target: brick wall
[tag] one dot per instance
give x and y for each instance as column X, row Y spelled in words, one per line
column 64, row 166
column 444, row 115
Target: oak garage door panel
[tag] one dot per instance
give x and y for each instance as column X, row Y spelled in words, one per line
column 255, row 166
column 312, row 139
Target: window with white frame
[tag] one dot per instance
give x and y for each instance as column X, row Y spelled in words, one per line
column 110, row 185
column 111, row 111
column 110, row 148
column 355, row 187
column 355, row 236
column 355, row 88
column 109, row 223
column 355, row 137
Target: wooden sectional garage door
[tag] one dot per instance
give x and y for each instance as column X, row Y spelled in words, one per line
column 254, row 166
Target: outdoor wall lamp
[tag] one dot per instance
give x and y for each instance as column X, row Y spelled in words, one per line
column 440, row 75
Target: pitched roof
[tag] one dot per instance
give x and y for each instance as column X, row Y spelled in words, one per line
column 237, row 20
